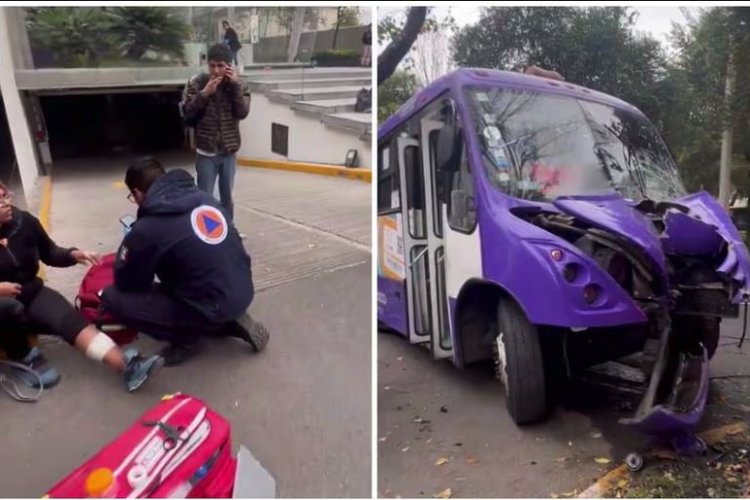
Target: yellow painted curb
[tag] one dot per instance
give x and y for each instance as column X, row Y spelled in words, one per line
column 361, row 174
column 44, row 214
column 608, row 482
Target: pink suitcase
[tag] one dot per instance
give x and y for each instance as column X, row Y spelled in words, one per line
column 178, row 449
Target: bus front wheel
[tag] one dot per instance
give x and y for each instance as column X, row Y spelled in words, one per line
column 519, row 364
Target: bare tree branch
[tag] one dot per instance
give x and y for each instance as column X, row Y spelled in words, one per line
column 399, row 47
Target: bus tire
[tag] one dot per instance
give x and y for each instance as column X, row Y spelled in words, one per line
column 519, row 364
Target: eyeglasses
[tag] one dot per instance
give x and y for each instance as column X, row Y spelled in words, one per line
column 131, row 198
column 6, row 198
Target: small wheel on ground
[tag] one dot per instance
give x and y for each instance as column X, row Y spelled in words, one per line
column 519, row 364
column 634, row 462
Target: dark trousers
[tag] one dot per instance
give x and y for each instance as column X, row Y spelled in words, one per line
column 158, row 315
column 46, row 312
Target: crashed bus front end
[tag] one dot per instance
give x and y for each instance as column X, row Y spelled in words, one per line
column 640, row 269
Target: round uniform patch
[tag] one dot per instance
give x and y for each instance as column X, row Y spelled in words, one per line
column 209, row 224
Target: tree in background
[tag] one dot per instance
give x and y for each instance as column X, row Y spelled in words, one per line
column 394, row 92
column 345, row 16
column 85, row 36
column 700, row 111
column 138, row 30
column 596, row 47
column 401, row 40
column 75, row 36
column 421, row 61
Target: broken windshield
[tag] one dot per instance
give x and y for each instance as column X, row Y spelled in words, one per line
column 538, row 146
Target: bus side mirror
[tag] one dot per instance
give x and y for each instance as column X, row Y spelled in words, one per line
column 448, row 149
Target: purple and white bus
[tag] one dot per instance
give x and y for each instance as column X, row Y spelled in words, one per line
column 545, row 225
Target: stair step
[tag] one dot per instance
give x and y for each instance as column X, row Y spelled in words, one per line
column 325, row 106
column 351, row 121
column 312, row 93
column 310, row 73
column 261, row 85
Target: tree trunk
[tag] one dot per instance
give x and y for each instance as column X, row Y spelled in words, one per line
column 399, row 47
column 338, row 23
column 725, row 172
column 298, row 22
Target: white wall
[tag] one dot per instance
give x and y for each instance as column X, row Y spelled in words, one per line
column 309, row 139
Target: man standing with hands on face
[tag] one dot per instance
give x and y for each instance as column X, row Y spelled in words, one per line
column 214, row 103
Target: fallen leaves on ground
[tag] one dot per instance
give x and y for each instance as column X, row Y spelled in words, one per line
column 471, row 460
column 404, row 449
column 602, row 460
column 442, row 461
column 446, row 493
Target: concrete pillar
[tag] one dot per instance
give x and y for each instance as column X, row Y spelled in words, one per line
column 19, row 37
column 23, row 143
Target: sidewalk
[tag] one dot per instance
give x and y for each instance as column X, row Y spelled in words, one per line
column 302, row 406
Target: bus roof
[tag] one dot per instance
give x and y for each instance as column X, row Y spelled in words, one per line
column 495, row 78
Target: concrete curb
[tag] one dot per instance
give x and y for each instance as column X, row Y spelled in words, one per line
column 608, row 482
column 360, row 174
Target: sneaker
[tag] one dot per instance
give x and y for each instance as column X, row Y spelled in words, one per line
column 36, row 361
column 139, row 369
column 250, row 331
column 176, row 354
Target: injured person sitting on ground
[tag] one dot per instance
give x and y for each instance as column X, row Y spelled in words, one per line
column 29, row 307
column 205, row 281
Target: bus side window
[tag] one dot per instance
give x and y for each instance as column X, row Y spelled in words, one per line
column 462, row 212
column 416, row 199
column 389, row 198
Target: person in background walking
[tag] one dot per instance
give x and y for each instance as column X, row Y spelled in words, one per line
column 214, row 103
column 232, row 41
column 367, row 46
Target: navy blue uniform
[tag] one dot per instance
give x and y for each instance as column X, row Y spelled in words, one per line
column 181, row 237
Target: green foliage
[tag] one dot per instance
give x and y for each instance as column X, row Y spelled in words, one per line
column 140, row 29
column 394, row 92
column 389, row 27
column 336, row 57
column 77, row 36
column 348, row 16
column 85, row 36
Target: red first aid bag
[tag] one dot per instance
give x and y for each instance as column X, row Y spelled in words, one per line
column 178, row 449
column 89, row 301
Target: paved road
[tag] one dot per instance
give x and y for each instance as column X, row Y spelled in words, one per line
column 302, row 406
column 489, row 456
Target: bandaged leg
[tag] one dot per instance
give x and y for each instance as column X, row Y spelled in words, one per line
column 99, row 346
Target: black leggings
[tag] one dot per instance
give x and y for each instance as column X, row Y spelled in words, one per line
column 47, row 312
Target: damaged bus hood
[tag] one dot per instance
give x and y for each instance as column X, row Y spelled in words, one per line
column 703, row 208
column 692, row 226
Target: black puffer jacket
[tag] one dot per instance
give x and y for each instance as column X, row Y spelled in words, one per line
column 23, row 243
column 182, row 237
